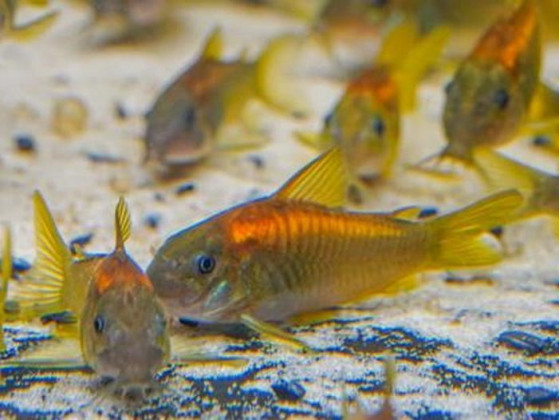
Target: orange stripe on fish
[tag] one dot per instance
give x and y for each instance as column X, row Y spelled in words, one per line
column 119, row 269
column 378, row 85
column 507, row 40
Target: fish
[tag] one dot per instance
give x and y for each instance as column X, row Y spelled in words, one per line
column 488, row 99
column 114, row 20
column 190, row 118
column 122, row 324
column 298, row 250
column 539, row 188
column 27, row 31
column 365, row 122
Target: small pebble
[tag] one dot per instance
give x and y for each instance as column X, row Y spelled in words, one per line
column 184, row 188
column 70, row 117
column 97, row 157
column 120, row 111
column 159, row 197
column 20, row 265
column 541, row 141
column 152, row 220
column 78, row 242
column 540, row 396
column 520, row 340
column 290, row 391
column 25, row 142
column 427, row 212
column 257, row 161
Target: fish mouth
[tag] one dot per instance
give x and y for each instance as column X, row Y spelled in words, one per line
column 130, row 391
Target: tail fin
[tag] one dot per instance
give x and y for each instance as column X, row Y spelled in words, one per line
column 457, row 236
column 420, row 58
column 539, row 188
column 33, row 28
column 42, row 290
column 275, row 80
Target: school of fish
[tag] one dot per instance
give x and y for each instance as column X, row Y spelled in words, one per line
column 301, row 248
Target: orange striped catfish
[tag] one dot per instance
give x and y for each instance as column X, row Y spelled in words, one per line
column 298, row 250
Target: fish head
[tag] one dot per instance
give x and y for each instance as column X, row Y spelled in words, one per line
column 483, row 106
column 177, row 132
column 196, row 275
column 123, row 326
column 367, row 132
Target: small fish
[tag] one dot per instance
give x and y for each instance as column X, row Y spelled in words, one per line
column 539, row 188
column 26, row 31
column 298, row 251
column 187, row 121
column 491, row 91
column 123, row 327
column 115, row 20
column 365, row 123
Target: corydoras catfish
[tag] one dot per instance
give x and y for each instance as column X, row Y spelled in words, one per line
column 123, row 327
column 298, row 250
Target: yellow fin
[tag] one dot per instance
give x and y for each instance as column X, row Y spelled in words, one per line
column 407, row 213
column 402, row 285
column 417, row 62
column 275, row 80
column 458, row 235
column 273, row 332
column 318, row 141
column 122, row 224
column 323, row 181
column 43, row 286
column 544, row 104
column 6, row 276
column 397, row 43
column 186, row 350
column 213, row 46
column 33, row 28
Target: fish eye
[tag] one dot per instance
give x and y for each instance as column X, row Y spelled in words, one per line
column 190, row 117
column 501, row 98
column 99, row 324
column 205, row 264
column 378, row 126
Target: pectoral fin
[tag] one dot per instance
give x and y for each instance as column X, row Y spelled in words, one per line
column 54, row 354
column 274, row 333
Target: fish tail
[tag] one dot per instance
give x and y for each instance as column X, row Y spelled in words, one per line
column 458, row 237
column 34, row 28
column 275, row 80
column 42, row 290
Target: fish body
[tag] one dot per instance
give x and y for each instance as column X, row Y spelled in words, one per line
column 365, row 123
column 491, row 91
column 296, row 251
column 123, row 330
column 186, row 121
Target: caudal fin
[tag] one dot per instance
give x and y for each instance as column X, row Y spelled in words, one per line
column 457, row 237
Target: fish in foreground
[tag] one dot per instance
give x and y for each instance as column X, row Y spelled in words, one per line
column 298, row 251
column 365, row 123
column 201, row 109
column 123, row 326
column 539, row 188
column 26, row 31
column 490, row 94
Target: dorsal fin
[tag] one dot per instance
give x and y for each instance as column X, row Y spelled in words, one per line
column 407, row 213
column 122, row 224
column 213, row 46
column 323, row 181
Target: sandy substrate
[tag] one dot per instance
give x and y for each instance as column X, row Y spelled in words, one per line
column 465, row 349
